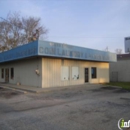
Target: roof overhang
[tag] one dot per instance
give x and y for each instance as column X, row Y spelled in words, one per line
column 58, row 50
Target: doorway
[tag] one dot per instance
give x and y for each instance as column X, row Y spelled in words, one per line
column 86, row 75
column 7, row 75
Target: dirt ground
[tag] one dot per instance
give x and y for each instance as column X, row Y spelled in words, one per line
column 83, row 107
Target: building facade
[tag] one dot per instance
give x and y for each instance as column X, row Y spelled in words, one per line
column 127, row 44
column 120, row 70
column 50, row 64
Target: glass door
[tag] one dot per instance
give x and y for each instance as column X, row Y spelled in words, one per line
column 86, row 75
column 7, row 75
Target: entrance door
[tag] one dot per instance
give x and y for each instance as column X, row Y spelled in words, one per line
column 86, row 75
column 6, row 75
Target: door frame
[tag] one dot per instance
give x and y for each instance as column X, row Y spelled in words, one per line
column 86, row 81
column 6, row 75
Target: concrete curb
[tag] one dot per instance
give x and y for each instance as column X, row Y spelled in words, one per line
column 42, row 90
column 17, row 90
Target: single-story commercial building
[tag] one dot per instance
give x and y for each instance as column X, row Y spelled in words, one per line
column 50, row 64
column 120, row 70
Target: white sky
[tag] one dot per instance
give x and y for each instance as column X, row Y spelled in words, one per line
column 93, row 24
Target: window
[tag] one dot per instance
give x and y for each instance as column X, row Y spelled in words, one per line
column 12, row 73
column 2, row 73
column 64, row 73
column 75, row 73
column 94, row 72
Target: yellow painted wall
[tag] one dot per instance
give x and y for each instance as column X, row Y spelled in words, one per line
column 51, row 72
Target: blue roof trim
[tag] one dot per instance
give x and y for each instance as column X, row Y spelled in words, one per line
column 20, row 52
column 53, row 49
column 46, row 48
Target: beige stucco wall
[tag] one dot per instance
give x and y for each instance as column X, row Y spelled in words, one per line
column 51, row 72
column 24, row 72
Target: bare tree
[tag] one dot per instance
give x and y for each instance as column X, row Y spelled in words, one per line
column 16, row 30
column 32, row 28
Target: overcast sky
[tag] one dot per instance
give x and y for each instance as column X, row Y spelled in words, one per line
column 93, row 24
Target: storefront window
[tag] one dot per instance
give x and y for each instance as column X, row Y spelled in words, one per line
column 94, row 72
column 75, row 73
column 64, row 73
column 12, row 73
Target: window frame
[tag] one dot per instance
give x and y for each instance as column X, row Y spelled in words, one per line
column 2, row 73
column 12, row 73
column 65, row 70
column 93, row 72
column 75, row 73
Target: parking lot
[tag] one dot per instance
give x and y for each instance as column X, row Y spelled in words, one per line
column 83, row 107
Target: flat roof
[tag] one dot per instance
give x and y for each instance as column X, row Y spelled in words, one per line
column 58, row 50
column 127, row 38
column 123, row 56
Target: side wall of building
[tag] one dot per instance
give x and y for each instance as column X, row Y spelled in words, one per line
column 51, row 72
column 120, row 71
column 24, row 72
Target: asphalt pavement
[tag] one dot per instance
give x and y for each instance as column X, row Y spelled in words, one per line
column 83, row 107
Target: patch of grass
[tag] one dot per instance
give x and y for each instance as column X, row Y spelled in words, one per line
column 124, row 85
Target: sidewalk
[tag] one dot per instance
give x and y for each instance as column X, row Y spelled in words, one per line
column 20, row 87
column 32, row 89
column 26, row 89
